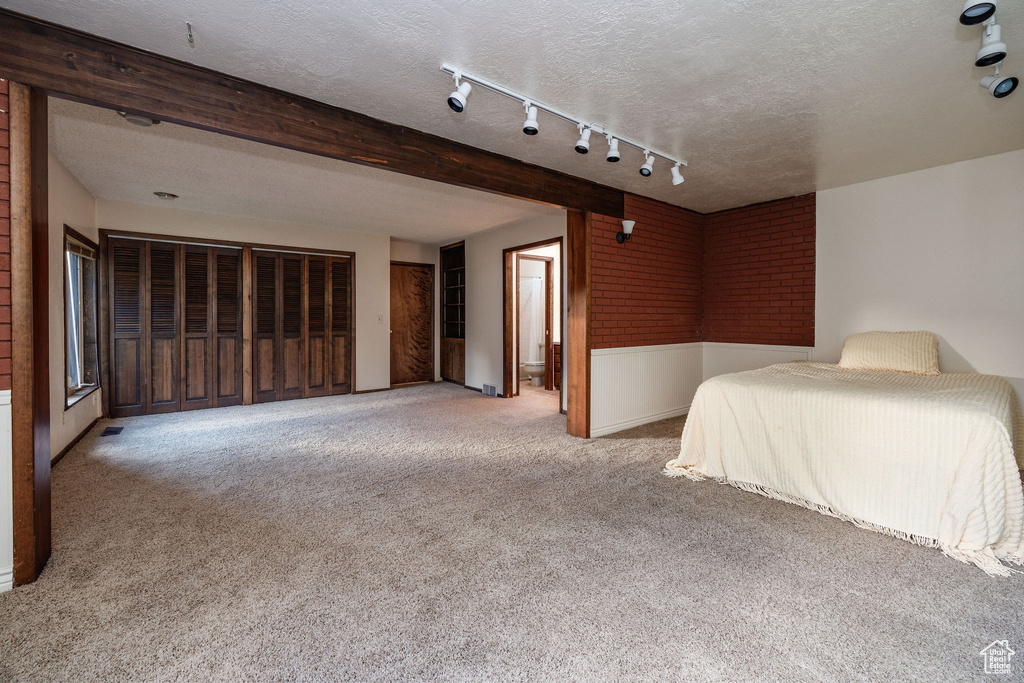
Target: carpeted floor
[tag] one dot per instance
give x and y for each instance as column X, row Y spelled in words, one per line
column 432, row 533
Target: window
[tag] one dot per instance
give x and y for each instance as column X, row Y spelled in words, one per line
column 81, row 350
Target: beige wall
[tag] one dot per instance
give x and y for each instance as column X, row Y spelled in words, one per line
column 415, row 252
column 372, row 261
column 69, row 204
column 484, row 282
column 940, row 250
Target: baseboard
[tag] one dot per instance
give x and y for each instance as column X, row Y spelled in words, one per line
column 6, row 579
column 479, row 391
column 371, row 391
column 74, row 442
column 629, row 424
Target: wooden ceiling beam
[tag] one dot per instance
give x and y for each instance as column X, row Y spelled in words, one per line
column 78, row 66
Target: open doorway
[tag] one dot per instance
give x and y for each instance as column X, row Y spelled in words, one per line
column 533, row 318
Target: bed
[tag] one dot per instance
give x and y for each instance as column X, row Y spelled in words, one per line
column 930, row 458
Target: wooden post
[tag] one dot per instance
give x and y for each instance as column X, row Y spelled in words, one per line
column 30, row 336
column 577, row 350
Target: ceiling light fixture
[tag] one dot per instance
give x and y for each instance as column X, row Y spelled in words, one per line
column 999, row 87
column 583, row 144
column 166, row 195
column 993, row 49
column 975, row 12
column 138, row 119
column 613, row 150
column 530, row 126
column 677, row 177
column 457, row 101
column 648, row 168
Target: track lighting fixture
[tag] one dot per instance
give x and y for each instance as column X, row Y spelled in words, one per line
column 993, row 49
column 677, row 177
column 457, row 100
column 999, row 87
column 583, row 144
column 975, row 12
column 648, row 168
column 613, row 150
column 464, row 84
column 530, row 126
column 627, row 230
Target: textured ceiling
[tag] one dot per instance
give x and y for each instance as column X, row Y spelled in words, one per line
column 763, row 98
column 219, row 174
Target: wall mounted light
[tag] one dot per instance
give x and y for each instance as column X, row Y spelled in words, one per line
column 627, row 230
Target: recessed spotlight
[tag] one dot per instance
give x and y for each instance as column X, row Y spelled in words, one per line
column 457, row 100
column 530, row 126
column 1000, row 87
column 583, row 144
column 166, row 195
column 677, row 177
column 648, row 168
column 613, row 150
column 138, row 119
column 993, row 49
column 975, row 12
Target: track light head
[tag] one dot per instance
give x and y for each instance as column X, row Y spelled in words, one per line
column 993, row 49
column 677, row 177
column 583, row 144
column 975, row 12
column 530, row 126
column 613, row 150
column 1000, row 86
column 457, row 100
column 648, row 168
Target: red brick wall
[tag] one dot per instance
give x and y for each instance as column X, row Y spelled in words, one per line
column 647, row 291
column 5, row 242
column 759, row 273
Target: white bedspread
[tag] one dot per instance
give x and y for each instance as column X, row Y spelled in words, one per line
column 927, row 458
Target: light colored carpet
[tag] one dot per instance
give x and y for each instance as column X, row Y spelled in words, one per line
column 432, row 533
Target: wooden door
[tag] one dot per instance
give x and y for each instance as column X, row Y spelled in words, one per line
column 316, row 296
column 228, row 326
column 293, row 315
column 126, row 275
column 197, row 340
column 266, row 305
column 412, row 325
column 163, row 352
column 340, row 324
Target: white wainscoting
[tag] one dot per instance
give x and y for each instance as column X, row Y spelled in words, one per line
column 721, row 358
column 640, row 384
column 6, row 495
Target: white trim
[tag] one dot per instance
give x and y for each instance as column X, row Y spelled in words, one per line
column 642, row 349
column 809, row 350
column 6, row 579
column 5, row 397
column 628, row 424
column 6, row 495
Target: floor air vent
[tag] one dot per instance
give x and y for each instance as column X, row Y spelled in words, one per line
column 111, row 431
column 490, row 390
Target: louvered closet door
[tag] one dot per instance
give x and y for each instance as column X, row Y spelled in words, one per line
column 293, row 316
column 197, row 342
column 340, row 325
column 266, row 326
column 163, row 362
column 125, row 275
column 316, row 326
column 228, row 316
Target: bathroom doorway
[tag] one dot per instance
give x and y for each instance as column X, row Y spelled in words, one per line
column 534, row 318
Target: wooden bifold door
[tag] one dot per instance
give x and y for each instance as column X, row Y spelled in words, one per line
column 175, row 326
column 302, row 310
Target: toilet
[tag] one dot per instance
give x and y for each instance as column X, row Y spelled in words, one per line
column 535, row 371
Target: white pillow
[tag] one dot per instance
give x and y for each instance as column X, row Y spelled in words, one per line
column 914, row 352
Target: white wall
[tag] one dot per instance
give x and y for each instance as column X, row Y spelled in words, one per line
column 939, row 250
column 69, row 204
column 6, row 495
column 484, row 301
column 373, row 259
column 415, row 252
